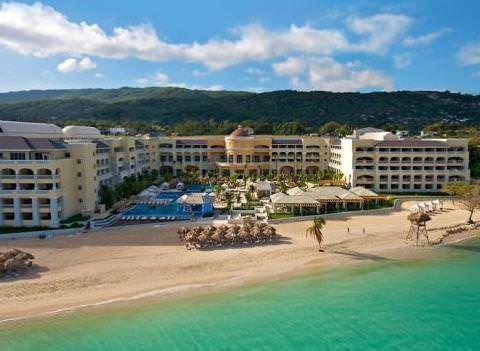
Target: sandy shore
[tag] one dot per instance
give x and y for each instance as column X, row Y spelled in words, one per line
column 115, row 265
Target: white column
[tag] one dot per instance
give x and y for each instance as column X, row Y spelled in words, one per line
column 17, row 221
column 412, row 181
column 53, row 212
column 389, row 182
column 1, row 212
column 35, row 212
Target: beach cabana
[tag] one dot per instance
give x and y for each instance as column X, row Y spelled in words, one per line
column 295, row 204
column 197, row 203
column 367, row 195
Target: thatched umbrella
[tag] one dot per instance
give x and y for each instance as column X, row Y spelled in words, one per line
column 15, row 261
column 182, row 232
column 257, row 232
column 270, row 231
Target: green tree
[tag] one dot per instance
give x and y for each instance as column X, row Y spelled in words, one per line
column 315, row 230
column 469, row 196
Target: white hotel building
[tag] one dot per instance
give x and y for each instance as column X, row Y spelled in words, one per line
column 383, row 162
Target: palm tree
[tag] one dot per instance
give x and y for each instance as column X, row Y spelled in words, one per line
column 315, row 230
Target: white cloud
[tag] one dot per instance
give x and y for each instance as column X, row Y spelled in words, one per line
column 215, row 87
column 426, row 38
column 255, row 71
column 255, row 89
column 324, row 73
column 199, row 73
column 469, row 54
column 160, row 78
column 402, row 60
column 42, row 31
column 98, row 75
column 292, row 66
column 74, row 65
column 142, row 81
column 69, row 65
column 380, row 30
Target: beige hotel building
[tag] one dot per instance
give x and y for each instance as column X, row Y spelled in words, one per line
column 48, row 174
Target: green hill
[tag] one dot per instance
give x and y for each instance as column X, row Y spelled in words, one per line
column 197, row 111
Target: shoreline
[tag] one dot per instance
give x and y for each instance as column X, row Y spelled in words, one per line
column 207, row 289
column 343, row 251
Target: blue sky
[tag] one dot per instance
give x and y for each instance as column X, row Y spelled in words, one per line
column 241, row 45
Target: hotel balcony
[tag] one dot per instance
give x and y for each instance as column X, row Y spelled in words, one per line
column 243, row 165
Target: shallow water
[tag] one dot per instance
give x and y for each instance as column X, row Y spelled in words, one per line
column 389, row 305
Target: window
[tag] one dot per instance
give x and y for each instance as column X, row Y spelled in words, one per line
column 79, row 161
column 79, row 187
column 80, row 200
column 79, row 174
column 239, row 159
column 17, row 156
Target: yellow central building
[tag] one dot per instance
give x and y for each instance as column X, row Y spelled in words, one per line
column 244, row 153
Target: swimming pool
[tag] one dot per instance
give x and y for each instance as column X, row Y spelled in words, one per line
column 171, row 209
column 199, row 188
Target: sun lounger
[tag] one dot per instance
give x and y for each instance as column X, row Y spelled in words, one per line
column 162, row 219
column 153, row 218
column 173, row 218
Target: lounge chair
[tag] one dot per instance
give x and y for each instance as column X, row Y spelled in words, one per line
column 162, row 219
column 173, row 218
column 153, row 218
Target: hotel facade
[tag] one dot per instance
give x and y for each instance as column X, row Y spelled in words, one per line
column 48, row 174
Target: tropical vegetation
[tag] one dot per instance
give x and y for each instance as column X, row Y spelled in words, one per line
column 315, row 231
column 190, row 112
column 469, row 196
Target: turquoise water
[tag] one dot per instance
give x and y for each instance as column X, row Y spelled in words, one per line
column 172, row 209
column 422, row 305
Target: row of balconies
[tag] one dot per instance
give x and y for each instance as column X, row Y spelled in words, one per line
column 408, row 169
column 24, row 162
column 369, row 162
column 52, row 177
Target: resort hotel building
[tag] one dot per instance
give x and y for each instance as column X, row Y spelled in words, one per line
column 382, row 161
column 48, row 174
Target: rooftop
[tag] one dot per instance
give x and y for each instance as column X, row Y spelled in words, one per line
column 412, row 143
column 26, row 129
column 23, row 143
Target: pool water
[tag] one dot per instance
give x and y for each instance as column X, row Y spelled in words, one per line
column 172, row 209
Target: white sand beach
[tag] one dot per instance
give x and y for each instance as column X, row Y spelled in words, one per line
column 126, row 262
